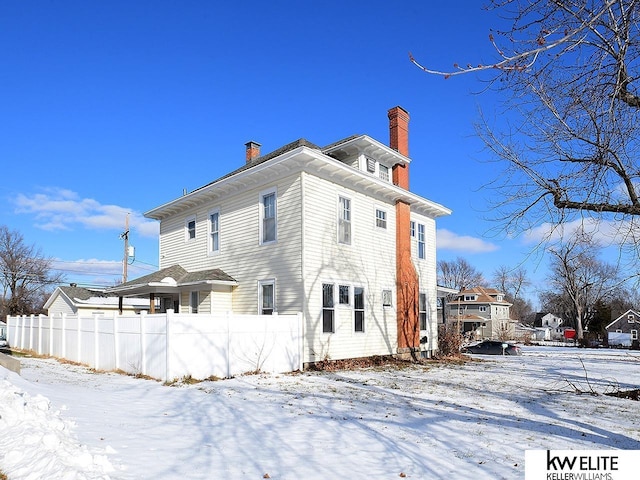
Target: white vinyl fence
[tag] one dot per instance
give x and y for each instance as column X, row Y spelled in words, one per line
column 166, row 346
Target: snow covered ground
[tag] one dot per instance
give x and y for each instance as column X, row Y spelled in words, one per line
column 424, row 422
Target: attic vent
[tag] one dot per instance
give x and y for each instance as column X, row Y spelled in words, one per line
column 371, row 165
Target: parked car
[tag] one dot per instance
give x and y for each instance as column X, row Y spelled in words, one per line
column 493, row 347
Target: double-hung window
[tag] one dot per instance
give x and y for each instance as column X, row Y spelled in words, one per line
column 384, row 172
column 190, row 228
column 381, row 218
column 344, row 220
column 214, row 231
column 421, row 242
column 344, row 294
column 194, row 302
column 422, row 310
column 358, row 309
column 268, row 217
column 328, row 308
column 266, row 300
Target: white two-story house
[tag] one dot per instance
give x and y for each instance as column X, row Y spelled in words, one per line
column 481, row 313
column 332, row 232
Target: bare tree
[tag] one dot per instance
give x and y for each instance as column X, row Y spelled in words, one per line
column 459, row 274
column 25, row 274
column 569, row 69
column 582, row 279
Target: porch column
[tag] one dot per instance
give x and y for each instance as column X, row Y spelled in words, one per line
column 152, row 303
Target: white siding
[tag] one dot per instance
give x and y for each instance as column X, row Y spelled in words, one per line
column 426, row 269
column 61, row 305
column 368, row 262
column 241, row 254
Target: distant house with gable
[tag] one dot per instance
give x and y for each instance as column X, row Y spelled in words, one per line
column 74, row 300
column 623, row 331
column 481, row 313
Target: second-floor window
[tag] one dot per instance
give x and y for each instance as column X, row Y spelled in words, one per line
column 381, row 218
column 268, row 217
column 214, row 231
column 422, row 251
column 344, row 220
column 190, row 229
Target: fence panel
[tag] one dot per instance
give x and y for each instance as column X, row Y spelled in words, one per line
column 166, row 346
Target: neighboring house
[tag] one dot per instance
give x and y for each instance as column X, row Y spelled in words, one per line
column 74, row 300
column 481, row 313
column 3, row 330
column 331, row 232
column 549, row 325
column 623, row 331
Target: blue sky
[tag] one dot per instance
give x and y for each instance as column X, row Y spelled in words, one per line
column 115, row 107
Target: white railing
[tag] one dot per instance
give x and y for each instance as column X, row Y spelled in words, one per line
column 166, row 346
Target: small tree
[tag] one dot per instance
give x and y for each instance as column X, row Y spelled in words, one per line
column 25, row 275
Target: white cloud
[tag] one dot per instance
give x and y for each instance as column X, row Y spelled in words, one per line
column 447, row 240
column 60, row 209
column 602, row 232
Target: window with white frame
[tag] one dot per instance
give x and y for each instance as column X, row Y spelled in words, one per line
column 190, row 228
column 268, row 216
column 344, row 220
column 381, row 218
column 387, row 298
column 358, row 309
column 194, row 301
column 482, row 308
column 328, row 308
column 634, row 334
column 422, row 310
column 469, row 298
column 422, row 251
column 214, row 231
column 371, row 165
column 344, row 294
column 384, row 172
column 267, row 297
column 412, row 229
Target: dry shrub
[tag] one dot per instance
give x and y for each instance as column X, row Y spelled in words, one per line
column 449, row 341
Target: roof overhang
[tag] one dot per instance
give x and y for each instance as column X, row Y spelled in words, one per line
column 309, row 160
column 368, row 146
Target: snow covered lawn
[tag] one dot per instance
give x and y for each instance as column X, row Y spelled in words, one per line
column 424, row 422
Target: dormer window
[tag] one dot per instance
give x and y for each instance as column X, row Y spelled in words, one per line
column 384, row 172
column 469, row 298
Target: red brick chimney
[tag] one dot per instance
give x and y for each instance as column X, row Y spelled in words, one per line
column 253, row 150
column 399, row 141
column 407, row 284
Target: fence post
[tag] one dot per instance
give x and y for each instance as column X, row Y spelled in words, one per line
column 40, row 337
column 116, row 340
column 167, row 333
column 228, row 344
column 300, row 342
column 79, row 338
column 31, row 319
column 143, row 340
column 96, row 342
column 63, row 341
column 50, row 336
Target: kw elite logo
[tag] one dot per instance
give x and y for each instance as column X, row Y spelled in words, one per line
column 581, row 464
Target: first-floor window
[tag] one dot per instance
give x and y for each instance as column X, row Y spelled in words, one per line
column 328, row 311
column 267, row 297
column 634, row 334
column 194, row 302
column 422, row 311
column 358, row 308
column 343, row 295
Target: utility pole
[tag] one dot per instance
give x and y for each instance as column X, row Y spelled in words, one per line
column 125, row 260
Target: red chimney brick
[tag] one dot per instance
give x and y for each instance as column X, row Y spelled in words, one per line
column 253, row 150
column 399, row 141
